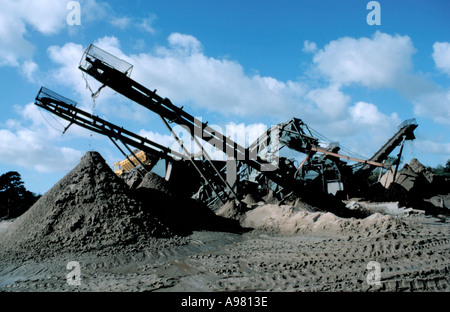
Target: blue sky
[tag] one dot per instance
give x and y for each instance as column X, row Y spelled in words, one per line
column 240, row 65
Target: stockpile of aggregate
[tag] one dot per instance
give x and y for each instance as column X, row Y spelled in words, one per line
column 289, row 220
column 299, row 218
column 88, row 209
column 178, row 211
column 413, row 185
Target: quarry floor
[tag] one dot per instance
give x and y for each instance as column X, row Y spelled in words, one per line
column 413, row 259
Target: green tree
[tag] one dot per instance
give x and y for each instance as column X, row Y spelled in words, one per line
column 441, row 170
column 15, row 199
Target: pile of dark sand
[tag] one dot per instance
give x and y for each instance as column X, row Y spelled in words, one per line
column 153, row 181
column 178, row 211
column 90, row 208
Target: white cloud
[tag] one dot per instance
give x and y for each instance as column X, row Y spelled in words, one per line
column 434, row 104
column 49, row 17
column 330, row 100
column 372, row 62
column 433, row 147
column 46, row 17
column 244, row 134
column 67, row 73
column 162, row 139
column 146, row 24
column 29, row 69
column 366, row 114
column 13, row 46
column 94, row 11
column 121, row 22
column 67, row 58
column 110, row 44
column 309, row 47
column 362, row 128
column 185, row 44
column 182, row 72
column 441, row 56
column 33, row 148
column 385, row 61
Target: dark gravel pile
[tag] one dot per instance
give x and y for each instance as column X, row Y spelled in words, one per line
column 89, row 209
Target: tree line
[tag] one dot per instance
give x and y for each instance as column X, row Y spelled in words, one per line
column 15, row 199
column 442, row 170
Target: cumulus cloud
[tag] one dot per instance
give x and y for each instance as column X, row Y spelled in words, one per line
column 17, row 17
column 384, row 61
column 309, row 47
column 29, row 69
column 185, row 44
column 67, row 58
column 162, row 139
column 144, row 24
column 30, row 143
column 434, row 105
column 375, row 62
column 121, row 22
column 184, row 73
column 366, row 114
column 30, row 149
column 330, row 100
column 362, row 128
column 434, row 147
column 441, row 56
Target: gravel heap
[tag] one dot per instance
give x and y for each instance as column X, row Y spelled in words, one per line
column 289, row 220
column 153, row 181
column 89, row 209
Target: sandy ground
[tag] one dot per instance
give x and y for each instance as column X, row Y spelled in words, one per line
column 414, row 258
column 4, row 225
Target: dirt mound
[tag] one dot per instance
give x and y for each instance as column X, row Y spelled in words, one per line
column 153, row 181
column 180, row 212
column 288, row 220
column 89, row 208
column 232, row 210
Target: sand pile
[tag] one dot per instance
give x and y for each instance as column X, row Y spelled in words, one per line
column 180, row 212
column 153, row 181
column 289, row 220
column 233, row 210
column 90, row 208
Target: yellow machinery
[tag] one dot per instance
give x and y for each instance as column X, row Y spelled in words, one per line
column 130, row 162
